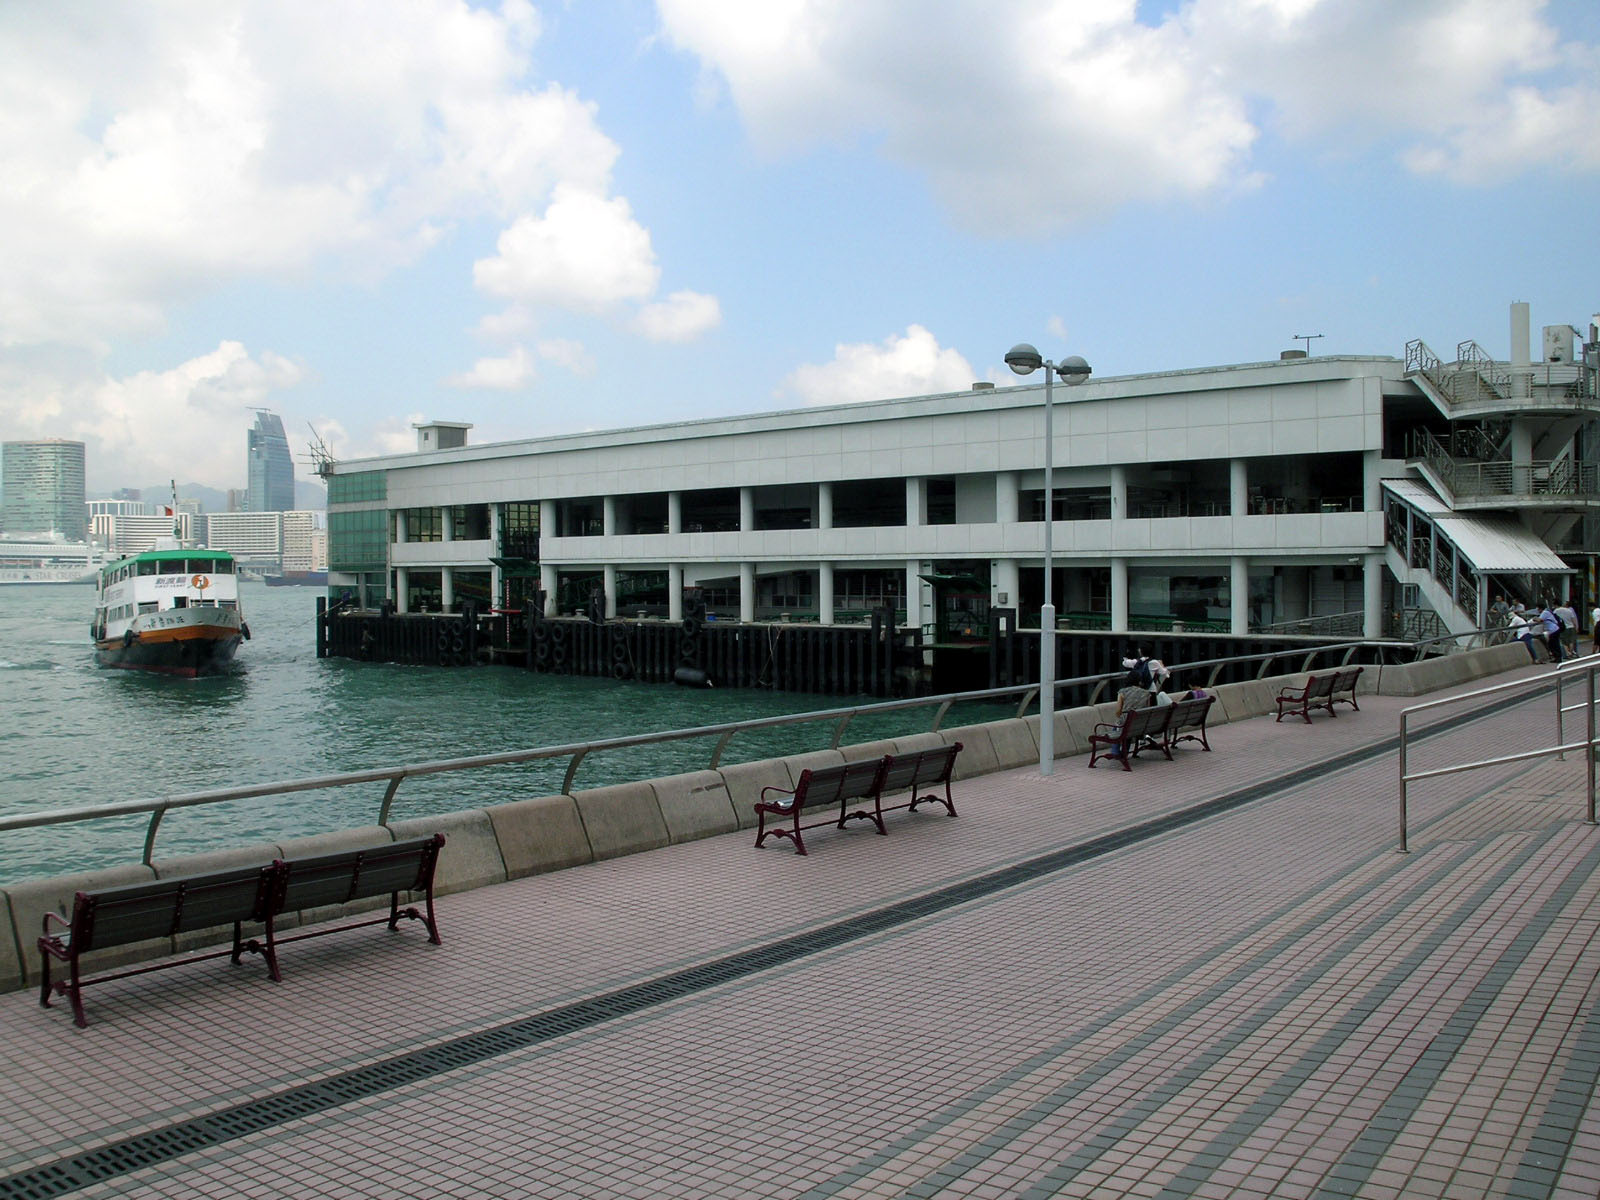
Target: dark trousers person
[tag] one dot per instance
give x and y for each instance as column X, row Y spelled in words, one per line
column 1553, row 641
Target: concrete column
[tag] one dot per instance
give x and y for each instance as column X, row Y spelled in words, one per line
column 1119, row 496
column 1372, row 595
column 399, row 525
column 747, row 580
column 675, row 593
column 916, row 501
column 747, row 509
column 825, row 591
column 1238, row 488
column 1521, row 351
column 1005, row 497
column 497, row 577
column 402, row 589
column 674, row 512
column 608, row 516
column 547, row 583
column 1372, row 481
column 547, row 519
column 1521, row 454
column 1119, row 595
column 1239, row 595
column 1005, row 581
column 914, row 589
column 447, row 524
column 447, row 589
column 824, row 506
column 610, row 585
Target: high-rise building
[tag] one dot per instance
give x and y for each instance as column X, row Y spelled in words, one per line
column 271, row 470
column 42, row 486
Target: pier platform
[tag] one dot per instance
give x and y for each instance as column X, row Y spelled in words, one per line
column 1213, row 977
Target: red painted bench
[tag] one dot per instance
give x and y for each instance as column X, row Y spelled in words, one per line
column 1123, row 738
column 165, row 908
column 868, row 779
column 1320, row 691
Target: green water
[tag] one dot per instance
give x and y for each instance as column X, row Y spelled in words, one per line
column 75, row 735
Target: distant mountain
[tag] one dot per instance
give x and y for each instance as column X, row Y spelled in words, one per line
column 310, row 495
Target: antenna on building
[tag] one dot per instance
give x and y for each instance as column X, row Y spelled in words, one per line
column 321, row 457
column 1307, row 338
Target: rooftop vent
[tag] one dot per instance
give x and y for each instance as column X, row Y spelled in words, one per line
column 983, row 386
column 1291, row 355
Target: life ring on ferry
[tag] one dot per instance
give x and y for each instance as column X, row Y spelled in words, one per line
column 127, row 638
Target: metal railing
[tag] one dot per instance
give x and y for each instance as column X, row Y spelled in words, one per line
column 1205, row 673
column 1586, row 669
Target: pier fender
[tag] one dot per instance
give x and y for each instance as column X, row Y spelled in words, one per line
column 691, row 677
column 244, row 629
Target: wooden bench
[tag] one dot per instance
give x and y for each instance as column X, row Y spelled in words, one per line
column 868, row 779
column 165, row 908
column 1121, row 739
column 1344, row 687
column 1319, row 691
column 1188, row 722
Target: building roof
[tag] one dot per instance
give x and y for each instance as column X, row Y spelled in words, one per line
column 1488, row 542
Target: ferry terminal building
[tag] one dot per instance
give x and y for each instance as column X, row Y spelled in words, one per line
column 1235, row 499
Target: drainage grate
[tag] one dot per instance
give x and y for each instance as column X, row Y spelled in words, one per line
column 143, row 1150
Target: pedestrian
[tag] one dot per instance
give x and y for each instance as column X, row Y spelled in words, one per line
column 1552, row 632
column 1522, row 631
column 1569, row 629
column 1499, row 614
column 1594, row 629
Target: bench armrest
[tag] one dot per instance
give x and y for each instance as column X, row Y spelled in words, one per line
column 1108, row 727
column 58, row 919
column 1295, row 693
column 789, row 792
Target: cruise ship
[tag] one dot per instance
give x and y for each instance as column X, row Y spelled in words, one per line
column 48, row 558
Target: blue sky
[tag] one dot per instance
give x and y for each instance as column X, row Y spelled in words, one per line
column 548, row 217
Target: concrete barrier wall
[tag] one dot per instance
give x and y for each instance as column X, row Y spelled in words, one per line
column 550, row 833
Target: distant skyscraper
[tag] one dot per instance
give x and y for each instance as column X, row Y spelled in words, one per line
column 271, row 468
column 42, row 483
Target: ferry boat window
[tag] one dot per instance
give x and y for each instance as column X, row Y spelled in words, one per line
column 148, row 567
column 147, row 606
column 180, row 602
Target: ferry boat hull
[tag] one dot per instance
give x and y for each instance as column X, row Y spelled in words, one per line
column 187, row 641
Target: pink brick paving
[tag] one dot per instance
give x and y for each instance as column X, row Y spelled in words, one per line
column 1269, row 1003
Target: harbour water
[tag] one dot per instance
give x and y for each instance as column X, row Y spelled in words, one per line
column 73, row 734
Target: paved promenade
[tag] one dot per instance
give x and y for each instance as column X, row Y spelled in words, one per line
column 1079, row 987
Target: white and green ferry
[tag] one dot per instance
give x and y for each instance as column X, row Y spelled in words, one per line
column 173, row 610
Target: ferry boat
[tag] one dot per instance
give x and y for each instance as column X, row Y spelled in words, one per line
column 173, row 610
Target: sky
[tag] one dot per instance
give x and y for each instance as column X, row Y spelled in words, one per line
column 543, row 218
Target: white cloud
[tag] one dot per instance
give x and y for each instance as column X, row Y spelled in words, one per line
column 912, row 364
column 586, row 253
column 190, row 420
column 1030, row 116
column 681, row 317
column 154, row 152
column 507, row 373
column 565, row 352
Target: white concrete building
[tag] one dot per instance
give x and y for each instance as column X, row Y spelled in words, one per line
column 1233, row 498
column 254, row 538
column 124, row 533
column 305, row 546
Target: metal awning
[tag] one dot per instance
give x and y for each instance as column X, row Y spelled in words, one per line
column 1490, row 543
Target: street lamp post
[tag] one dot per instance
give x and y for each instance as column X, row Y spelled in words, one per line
column 1025, row 360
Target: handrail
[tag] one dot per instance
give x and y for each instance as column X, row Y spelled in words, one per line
column 1588, row 667
column 578, row 752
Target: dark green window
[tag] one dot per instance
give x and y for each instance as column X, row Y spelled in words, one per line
column 358, row 541
column 354, row 489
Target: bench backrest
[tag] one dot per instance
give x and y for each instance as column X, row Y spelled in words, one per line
column 138, row 912
column 1145, row 722
column 1345, row 680
column 1190, row 714
column 919, row 768
column 842, row 781
column 1318, row 686
column 348, row 875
